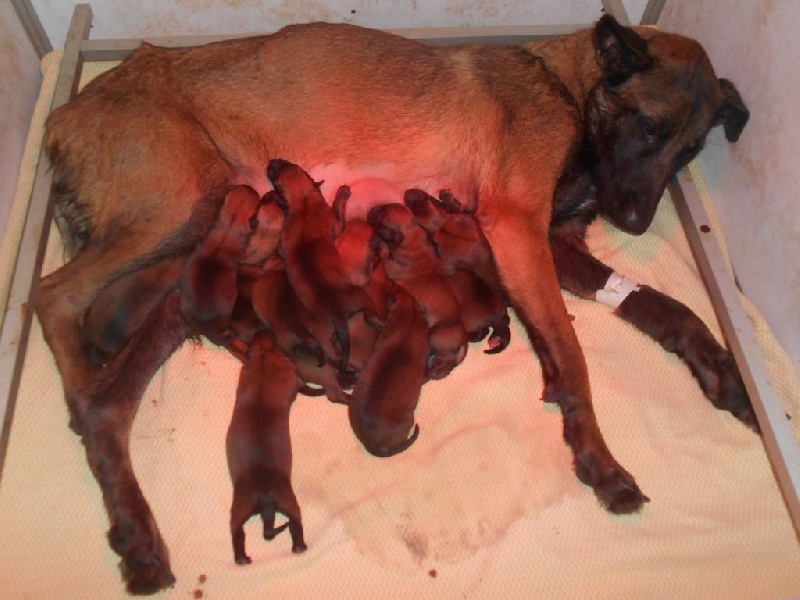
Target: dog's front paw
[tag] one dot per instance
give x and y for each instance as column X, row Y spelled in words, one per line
column 727, row 392
column 614, row 487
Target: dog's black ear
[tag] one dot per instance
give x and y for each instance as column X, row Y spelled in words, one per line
column 620, row 50
column 731, row 113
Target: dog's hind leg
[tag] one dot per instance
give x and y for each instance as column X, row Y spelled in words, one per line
column 147, row 195
column 112, row 404
column 520, row 245
column 669, row 322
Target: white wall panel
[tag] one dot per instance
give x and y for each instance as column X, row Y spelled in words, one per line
column 755, row 182
column 19, row 85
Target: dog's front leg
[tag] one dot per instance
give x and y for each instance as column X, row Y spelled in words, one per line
column 112, row 404
column 670, row 323
column 520, row 246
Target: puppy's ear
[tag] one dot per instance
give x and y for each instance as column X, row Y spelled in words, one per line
column 732, row 114
column 620, row 50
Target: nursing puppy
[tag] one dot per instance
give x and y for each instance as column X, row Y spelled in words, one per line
column 208, row 282
column 259, row 448
column 411, row 262
column 313, row 264
column 467, row 261
column 567, row 128
column 122, row 307
column 483, row 310
column 276, row 305
column 384, row 398
column 263, row 242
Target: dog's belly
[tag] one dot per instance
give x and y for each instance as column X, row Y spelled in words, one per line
column 370, row 185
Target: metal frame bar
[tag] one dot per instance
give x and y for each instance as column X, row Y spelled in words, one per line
column 779, row 442
column 27, row 270
column 33, row 26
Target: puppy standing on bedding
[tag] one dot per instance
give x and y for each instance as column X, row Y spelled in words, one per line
column 208, row 282
column 411, row 262
column 568, row 128
column 313, row 264
column 259, row 448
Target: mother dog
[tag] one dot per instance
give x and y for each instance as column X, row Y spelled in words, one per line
column 536, row 139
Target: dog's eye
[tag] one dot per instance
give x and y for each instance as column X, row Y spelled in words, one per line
column 650, row 130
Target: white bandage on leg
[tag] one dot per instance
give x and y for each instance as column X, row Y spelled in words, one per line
column 616, row 290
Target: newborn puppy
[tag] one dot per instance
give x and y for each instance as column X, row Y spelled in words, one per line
column 277, row 307
column 208, row 282
column 259, row 448
column 313, row 263
column 411, row 262
column 455, row 234
column 385, row 396
column 483, row 310
column 123, row 306
column 263, row 242
column 467, row 262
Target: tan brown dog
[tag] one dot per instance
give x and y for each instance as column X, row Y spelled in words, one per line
column 383, row 401
column 554, row 131
column 313, row 264
column 410, row 261
column 122, row 307
column 208, row 281
column 259, row 448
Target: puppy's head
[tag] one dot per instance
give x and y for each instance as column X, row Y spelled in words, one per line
column 393, row 223
column 237, row 219
column 427, row 210
column 648, row 116
column 290, row 181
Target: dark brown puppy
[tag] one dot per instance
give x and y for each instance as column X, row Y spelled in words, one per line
column 467, row 262
column 569, row 127
column 483, row 310
column 208, row 282
column 263, row 242
column 385, row 396
column 410, row 261
column 313, row 264
column 259, row 448
column 122, row 307
column 276, row 305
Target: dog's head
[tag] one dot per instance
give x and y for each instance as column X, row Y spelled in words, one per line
column 649, row 116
